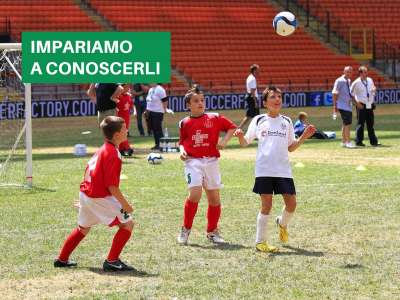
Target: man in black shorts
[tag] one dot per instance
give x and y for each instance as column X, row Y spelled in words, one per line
column 251, row 95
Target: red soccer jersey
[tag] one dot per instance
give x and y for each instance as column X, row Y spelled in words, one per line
column 124, row 105
column 199, row 135
column 103, row 170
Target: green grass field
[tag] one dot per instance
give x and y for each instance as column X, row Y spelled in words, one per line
column 344, row 239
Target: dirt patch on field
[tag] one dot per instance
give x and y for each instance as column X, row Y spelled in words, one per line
column 76, row 283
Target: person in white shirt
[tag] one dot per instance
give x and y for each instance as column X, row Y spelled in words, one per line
column 157, row 105
column 273, row 173
column 363, row 89
column 251, row 95
column 342, row 103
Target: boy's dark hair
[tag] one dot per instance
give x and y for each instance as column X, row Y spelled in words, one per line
column 269, row 90
column 195, row 89
column 110, row 125
column 254, row 67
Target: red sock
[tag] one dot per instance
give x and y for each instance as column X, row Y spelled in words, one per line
column 124, row 146
column 213, row 214
column 70, row 244
column 189, row 213
column 119, row 241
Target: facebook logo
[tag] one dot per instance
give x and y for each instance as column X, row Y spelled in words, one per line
column 316, row 99
column 328, row 99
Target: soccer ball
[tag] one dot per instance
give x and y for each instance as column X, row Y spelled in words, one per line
column 284, row 23
column 154, row 158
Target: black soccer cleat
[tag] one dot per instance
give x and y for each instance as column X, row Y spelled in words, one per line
column 116, row 266
column 64, row 264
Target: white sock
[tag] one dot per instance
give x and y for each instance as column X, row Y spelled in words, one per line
column 285, row 218
column 261, row 233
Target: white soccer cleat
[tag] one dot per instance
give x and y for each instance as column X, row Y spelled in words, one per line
column 183, row 236
column 350, row 145
column 215, row 237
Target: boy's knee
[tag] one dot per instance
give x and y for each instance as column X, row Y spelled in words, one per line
column 84, row 230
column 128, row 225
column 291, row 206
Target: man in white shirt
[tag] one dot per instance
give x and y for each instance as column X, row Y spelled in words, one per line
column 342, row 100
column 363, row 90
column 157, row 105
column 251, row 95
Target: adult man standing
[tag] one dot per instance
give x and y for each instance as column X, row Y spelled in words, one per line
column 157, row 105
column 140, row 93
column 342, row 101
column 106, row 97
column 363, row 89
column 251, row 95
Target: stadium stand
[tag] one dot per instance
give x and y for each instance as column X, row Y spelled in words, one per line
column 213, row 42
column 369, row 14
column 42, row 15
column 204, row 50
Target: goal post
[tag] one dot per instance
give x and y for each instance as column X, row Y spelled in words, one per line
column 12, row 90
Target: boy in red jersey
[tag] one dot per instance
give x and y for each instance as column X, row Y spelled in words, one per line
column 199, row 144
column 124, row 106
column 101, row 200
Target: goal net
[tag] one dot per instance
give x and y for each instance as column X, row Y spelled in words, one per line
column 15, row 120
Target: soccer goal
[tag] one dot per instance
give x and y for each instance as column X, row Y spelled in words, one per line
column 15, row 120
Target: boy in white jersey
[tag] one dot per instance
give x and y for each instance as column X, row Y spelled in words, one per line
column 273, row 173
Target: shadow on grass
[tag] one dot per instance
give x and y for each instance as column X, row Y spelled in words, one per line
column 26, row 189
column 298, row 251
column 352, row 266
column 224, row 246
column 41, row 189
column 136, row 273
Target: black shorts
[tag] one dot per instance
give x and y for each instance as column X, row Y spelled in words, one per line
column 252, row 110
column 347, row 116
column 274, row 185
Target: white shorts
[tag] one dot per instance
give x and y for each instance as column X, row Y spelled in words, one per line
column 106, row 211
column 203, row 172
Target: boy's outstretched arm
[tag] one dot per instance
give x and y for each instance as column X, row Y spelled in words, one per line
column 222, row 143
column 116, row 192
column 240, row 135
column 308, row 132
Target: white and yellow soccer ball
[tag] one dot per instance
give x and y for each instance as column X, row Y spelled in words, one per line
column 284, row 23
column 154, row 158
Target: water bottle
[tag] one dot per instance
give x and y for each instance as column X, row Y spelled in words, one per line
column 166, row 132
column 334, row 116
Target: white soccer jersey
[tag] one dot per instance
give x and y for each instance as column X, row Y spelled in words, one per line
column 154, row 97
column 251, row 83
column 274, row 136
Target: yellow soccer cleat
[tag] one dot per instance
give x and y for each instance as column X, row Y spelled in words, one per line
column 264, row 247
column 283, row 233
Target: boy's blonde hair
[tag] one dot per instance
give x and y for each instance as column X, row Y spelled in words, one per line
column 302, row 115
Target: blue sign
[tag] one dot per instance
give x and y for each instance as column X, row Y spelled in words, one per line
column 328, row 99
column 316, row 99
column 74, row 108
